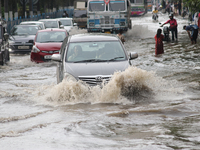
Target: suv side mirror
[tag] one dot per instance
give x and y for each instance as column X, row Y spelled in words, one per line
column 62, row 26
column 6, row 36
column 133, row 55
column 56, row 57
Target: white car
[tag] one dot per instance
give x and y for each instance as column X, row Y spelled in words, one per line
column 67, row 22
column 52, row 23
column 41, row 24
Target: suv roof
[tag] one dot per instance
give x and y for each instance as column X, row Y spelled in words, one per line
column 53, row 29
column 93, row 37
column 32, row 22
column 48, row 20
column 34, row 25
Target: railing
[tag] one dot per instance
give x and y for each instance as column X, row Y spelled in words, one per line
column 57, row 14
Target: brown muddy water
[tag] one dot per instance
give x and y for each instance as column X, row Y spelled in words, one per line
column 155, row 104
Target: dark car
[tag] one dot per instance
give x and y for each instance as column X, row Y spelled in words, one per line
column 47, row 42
column 4, row 51
column 22, row 37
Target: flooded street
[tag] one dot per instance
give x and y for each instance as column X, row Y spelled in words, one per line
column 155, row 104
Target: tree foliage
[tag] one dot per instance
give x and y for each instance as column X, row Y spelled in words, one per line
column 193, row 5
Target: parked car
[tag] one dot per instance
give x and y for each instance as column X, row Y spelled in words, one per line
column 41, row 24
column 21, row 38
column 4, row 49
column 92, row 58
column 46, row 43
column 52, row 23
column 67, row 22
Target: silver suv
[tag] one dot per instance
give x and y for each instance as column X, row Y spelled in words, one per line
column 92, row 58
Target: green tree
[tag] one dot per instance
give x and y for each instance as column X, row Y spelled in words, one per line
column 193, row 5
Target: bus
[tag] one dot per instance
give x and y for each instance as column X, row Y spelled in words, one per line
column 138, row 7
column 108, row 16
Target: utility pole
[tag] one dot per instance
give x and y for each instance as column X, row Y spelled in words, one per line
column 31, row 8
column 0, row 10
column 38, row 7
column 24, row 8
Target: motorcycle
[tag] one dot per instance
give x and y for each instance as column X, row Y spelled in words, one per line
column 166, row 31
column 155, row 17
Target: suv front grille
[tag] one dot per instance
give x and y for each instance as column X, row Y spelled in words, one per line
column 95, row 80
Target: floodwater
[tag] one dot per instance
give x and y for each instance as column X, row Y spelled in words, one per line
column 155, row 104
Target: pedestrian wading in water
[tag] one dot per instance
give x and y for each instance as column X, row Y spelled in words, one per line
column 159, row 42
column 194, row 29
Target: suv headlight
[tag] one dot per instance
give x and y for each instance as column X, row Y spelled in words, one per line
column 69, row 77
column 35, row 49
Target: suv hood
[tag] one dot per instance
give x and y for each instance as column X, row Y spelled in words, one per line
column 49, row 46
column 96, row 68
column 24, row 38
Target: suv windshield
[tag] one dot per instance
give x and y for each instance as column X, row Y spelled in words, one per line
column 53, row 36
column 22, row 30
column 97, row 6
column 30, row 23
column 95, row 52
column 51, row 24
column 66, row 22
column 117, row 5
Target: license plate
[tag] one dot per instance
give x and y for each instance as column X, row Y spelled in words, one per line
column 47, row 57
column 23, row 47
column 107, row 32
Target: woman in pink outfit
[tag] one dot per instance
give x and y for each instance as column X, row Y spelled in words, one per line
column 159, row 42
column 199, row 20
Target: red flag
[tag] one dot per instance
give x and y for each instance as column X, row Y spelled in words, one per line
column 106, row 1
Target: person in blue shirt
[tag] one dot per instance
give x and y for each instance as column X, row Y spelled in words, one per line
column 194, row 32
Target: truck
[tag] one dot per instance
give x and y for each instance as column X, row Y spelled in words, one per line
column 80, row 13
column 4, row 45
column 108, row 16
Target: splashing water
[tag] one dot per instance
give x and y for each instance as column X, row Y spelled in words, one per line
column 140, row 32
column 131, row 84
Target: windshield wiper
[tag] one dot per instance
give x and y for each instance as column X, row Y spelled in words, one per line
column 91, row 60
column 115, row 58
column 23, row 34
column 12, row 37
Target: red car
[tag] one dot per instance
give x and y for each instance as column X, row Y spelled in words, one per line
column 47, row 42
